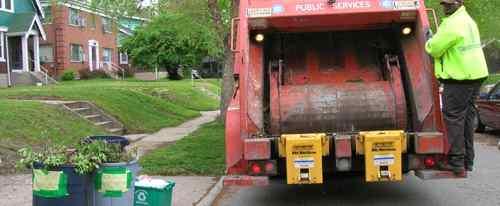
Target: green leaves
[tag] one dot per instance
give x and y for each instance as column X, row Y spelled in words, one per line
column 172, row 39
column 86, row 158
column 49, row 156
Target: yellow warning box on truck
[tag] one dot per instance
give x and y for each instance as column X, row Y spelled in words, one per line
column 383, row 155
column 304, row 154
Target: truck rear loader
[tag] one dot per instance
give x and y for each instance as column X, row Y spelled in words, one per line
column 325, row 87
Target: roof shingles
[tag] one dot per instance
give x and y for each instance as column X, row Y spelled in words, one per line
column 21, row 22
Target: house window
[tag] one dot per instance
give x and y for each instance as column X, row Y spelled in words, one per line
column 2, row 52
column 106, row 25
column 107, row 55
column 48, row 15
column 7, row 5
column 75, row 18
column 76, row 53
column 92, row 21
column 46, row 53
column 123, row 58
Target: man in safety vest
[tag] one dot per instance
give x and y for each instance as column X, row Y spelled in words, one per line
column 461, row 67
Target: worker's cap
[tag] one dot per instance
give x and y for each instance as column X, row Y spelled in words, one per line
column 451, row 1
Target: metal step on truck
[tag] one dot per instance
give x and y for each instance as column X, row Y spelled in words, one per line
column 326, row 87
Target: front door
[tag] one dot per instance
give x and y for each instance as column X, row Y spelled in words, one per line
column 93, row 55
column 15, row 53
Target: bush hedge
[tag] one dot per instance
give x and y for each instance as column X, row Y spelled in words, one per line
column 68, row 75
column 95, row 74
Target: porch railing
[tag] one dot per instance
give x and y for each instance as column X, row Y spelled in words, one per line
column 45, row 74
column 113, row 70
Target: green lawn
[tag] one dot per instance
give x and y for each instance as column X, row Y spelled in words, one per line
column 200, row 153
column 33, row 123
column 29, row 123
column 135, row 103
column 183, row 93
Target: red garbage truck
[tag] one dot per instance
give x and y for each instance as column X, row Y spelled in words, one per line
column 326, row 87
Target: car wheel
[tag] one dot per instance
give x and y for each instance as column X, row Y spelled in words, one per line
column 478, row 126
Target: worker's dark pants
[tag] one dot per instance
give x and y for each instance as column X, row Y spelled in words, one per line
column 459, row 114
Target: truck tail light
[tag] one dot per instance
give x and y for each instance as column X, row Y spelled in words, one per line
column 429, row 162
column 267, row 167
column 256, row 169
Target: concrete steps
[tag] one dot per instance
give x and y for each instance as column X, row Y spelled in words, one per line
column 4, row 81
column 23, row 78
column 30, row 78
column 96, row 116
column 40, row 76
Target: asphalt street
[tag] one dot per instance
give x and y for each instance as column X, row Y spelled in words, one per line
column 482, row 188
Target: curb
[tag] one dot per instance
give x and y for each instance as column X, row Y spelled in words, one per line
column 210, row 197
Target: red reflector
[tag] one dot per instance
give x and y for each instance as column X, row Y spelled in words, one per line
column 429, row 162
column 256, row 168
column 269, row 167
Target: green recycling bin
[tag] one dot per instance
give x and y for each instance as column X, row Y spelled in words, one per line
column 150, row 196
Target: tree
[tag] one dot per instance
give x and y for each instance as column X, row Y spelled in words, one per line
column 171, row 40
column 218, row 14
column 221, row 12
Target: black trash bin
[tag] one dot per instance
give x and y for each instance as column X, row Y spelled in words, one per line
column 122, row 141
column 78, row 189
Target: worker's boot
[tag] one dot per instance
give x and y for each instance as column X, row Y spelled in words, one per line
column 469, row 166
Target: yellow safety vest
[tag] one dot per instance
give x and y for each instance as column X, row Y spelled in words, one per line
column 457, row 50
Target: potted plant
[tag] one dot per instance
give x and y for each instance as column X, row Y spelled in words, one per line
column 61, row 175
column 114, row 179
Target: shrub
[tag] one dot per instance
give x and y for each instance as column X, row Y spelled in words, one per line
column 84, row 73
column 87, row 74
column 174, row 73
column 68, row 75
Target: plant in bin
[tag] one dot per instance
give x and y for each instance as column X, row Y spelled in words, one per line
column 114, row 178
column 85, row 158
column 55, row 166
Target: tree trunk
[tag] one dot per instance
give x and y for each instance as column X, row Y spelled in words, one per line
column 227, row 77
column 227, row 83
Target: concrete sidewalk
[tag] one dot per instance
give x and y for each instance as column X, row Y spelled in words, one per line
column 15, row 190
column 148, row 142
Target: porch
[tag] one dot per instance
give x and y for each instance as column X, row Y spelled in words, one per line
column 22, row 40
column 23, row 52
